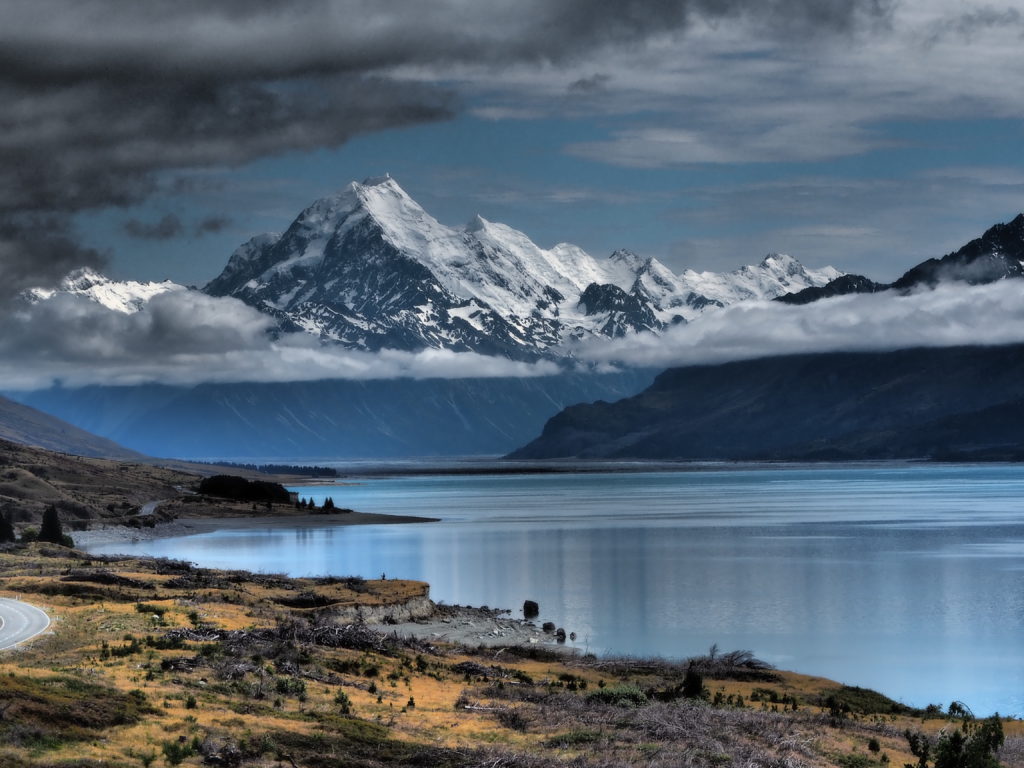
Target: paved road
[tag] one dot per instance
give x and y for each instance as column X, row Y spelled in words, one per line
column 19, row 622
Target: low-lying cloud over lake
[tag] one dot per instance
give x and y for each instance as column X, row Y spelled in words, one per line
column 187, row 338
column 953, row 314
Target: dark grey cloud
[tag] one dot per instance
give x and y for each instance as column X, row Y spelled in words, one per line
column 211, row 225
column 39, row 250
column 166, row 228
column 101, row 97
column 977, row 20
column 592, row 84
column 63, row 41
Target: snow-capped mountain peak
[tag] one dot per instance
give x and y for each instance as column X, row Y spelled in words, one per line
column 370, row 268
column 126, row 296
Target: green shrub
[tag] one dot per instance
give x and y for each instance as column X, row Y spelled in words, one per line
column 290, row 686
column 623, row 695
column 576, row 738
column 176, row 752
column 344, row 703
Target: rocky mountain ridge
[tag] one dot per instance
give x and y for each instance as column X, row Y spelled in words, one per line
column 997, row 255
column 368, row 268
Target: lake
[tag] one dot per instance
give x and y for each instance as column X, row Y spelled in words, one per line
column 904, row 578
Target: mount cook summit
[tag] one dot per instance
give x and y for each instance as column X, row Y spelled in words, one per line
column 369, row 269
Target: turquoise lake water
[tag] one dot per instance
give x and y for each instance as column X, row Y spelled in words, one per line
column 904, row 578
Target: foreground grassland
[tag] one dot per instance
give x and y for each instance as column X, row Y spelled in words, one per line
column 158, row 663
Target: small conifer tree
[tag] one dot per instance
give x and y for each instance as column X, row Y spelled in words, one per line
column 6, row 529
column 51, row 529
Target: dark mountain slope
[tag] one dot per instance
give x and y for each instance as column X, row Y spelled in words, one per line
column 841, row 286
column 332, row 419
column 995, row 255
column 28, row 426
column 906, row 404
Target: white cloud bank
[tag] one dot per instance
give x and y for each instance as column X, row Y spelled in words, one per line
column 187, row 338
column 951, row 315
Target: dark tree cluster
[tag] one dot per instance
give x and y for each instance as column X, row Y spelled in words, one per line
column 240, row 489
column 283, row 469
column 327, row 508
column 6, row 530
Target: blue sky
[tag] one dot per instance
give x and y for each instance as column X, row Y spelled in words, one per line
column 938, row 184
column 869, row 137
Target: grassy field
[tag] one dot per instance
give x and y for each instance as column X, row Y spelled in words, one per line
column 158, row 663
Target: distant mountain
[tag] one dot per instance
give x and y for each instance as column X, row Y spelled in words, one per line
column 25, row 425
column 996, row 255
column 125, row 296
column 963, row 402
column 331, row 419
column 370, row 269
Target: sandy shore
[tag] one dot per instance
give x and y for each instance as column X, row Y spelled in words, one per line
column 104, row 535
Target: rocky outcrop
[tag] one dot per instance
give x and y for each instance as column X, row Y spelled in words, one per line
column 412, row 609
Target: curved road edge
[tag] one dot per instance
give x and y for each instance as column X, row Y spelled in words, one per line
column 20, row 622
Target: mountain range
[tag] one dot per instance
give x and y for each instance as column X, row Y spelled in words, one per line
column 369, row 269
column 964, row 403
column 335, row 419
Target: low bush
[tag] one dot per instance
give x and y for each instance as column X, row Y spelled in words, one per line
column 619, row 695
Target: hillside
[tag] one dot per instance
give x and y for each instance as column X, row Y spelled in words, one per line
column 81, row 488
column 963, row 402
column 23, row 424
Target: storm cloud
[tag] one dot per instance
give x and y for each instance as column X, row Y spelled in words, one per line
column 100, row 96
column 39, row 250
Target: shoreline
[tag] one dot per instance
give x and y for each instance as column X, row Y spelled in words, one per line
column 461, row 626
column 109, row 535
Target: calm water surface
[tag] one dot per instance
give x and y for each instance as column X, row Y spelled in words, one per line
column 907, row 579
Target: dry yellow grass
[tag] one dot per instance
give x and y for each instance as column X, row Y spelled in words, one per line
column 293, row 698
